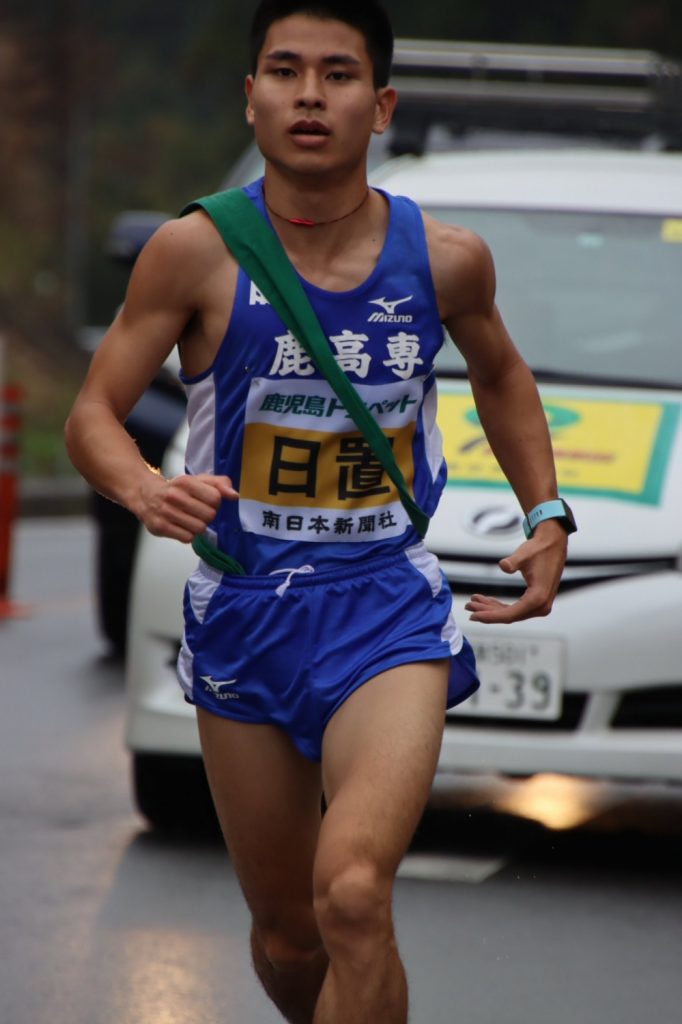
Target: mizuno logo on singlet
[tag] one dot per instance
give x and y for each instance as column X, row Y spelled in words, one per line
column 389, row 315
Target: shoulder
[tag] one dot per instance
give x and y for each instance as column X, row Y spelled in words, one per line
column 462, row 267
column 189, row 242
column 450, row 242
column 181, row 257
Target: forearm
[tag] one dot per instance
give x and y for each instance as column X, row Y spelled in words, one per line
column 107, row 457
column 515, row 425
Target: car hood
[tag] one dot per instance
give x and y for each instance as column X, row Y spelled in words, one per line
column 618, row 455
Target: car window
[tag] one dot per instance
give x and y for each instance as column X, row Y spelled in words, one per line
column 584, row 294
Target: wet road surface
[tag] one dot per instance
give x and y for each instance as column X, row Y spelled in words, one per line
column 552, row 900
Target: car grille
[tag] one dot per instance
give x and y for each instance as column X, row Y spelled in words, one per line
column 646, row 708
column 572, row 709
column 471, row 574
column 652, row 708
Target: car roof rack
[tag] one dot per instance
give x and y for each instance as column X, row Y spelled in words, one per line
column 633, row 95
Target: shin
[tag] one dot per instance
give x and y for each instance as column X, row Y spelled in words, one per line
column 366, row 980
column 291, row 973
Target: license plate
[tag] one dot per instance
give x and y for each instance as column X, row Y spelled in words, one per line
column 519, row 679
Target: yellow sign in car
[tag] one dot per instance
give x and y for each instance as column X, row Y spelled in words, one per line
column 605, row 447
column 671, row 230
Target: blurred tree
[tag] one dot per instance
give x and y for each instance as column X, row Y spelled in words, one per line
column 30, row 292
column 170, row 122
column 102, row 107
column 106, row 106
column 142, row 106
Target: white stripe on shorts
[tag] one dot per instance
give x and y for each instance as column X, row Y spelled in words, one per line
column 428, row 565
column 202, row 584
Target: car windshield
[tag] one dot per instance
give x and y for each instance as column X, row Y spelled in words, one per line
column 591, row 297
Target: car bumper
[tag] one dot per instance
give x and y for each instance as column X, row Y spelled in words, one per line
column 618, row 638
column 158, row 719
column 621, row 642
column 636, row 756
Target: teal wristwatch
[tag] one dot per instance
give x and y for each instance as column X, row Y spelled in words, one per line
column 557, row 509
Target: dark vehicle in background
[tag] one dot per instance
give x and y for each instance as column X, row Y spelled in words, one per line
column 152, row 424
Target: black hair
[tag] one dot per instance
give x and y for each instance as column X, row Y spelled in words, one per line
column 367, row 16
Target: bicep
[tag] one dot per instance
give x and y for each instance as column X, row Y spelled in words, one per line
column 485, row 343
column 124, row 365
column 149, row 324
column 467, row 285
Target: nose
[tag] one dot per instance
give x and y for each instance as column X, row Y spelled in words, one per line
column 311, row 94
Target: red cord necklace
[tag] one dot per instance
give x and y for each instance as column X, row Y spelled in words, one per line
column 303, row 222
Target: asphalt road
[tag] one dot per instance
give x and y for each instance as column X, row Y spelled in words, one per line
column 502, row 919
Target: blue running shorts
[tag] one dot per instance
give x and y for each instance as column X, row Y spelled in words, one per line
column 288, row 649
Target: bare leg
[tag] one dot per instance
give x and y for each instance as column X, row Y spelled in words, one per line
column 379, row 758
column 293, row 986
column 267, row 797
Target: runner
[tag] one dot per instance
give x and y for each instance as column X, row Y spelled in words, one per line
column 326, row 664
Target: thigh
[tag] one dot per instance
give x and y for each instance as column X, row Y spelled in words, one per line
column 379, row 756
column 267, row 797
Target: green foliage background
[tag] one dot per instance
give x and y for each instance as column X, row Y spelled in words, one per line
column 139, row 105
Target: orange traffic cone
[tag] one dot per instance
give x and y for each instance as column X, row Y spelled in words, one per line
column 10, row 428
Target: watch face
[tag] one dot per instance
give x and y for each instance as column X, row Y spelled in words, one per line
column 570, row 518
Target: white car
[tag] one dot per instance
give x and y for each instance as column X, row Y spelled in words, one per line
column 588, row 249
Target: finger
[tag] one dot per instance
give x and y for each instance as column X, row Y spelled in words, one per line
column 176, row 533
column 178, row 525
column 187, row 511
column 200, row 495
column 517, row 560
column 222, row 484
column 186, row 488
column 227, row 488
column 190, row 503
column 532, row 603
column 175, row 506
column 509, row 564
column 487, row 609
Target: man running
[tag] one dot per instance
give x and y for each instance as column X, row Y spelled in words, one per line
column 327, row 667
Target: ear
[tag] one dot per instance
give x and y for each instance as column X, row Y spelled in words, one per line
column 248, row 89
column 385, row 105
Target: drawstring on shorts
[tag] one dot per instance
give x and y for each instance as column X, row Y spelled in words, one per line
column 305, row 569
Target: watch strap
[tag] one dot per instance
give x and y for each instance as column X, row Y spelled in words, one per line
column 555, row 509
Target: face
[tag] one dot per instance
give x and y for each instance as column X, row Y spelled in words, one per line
column 313, row 103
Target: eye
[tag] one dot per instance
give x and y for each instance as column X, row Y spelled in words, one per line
column 283, row 72
column 340, row 76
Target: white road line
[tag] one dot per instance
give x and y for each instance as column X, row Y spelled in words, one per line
column 433, row 867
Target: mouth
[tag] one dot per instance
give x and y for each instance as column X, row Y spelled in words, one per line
column 314, row 128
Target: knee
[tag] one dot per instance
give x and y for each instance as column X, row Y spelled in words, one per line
column 285, row 951
column 352, row 902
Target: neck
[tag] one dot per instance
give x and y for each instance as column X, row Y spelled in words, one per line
column 310, row 203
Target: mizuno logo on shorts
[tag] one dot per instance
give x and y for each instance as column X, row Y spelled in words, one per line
column 220, row 687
